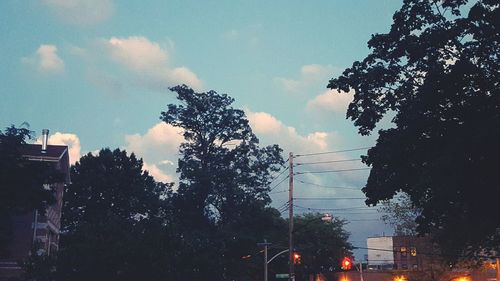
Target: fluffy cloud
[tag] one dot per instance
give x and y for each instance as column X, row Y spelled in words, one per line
column 81, row 12
column 310, row 75
column 271, row 130
column 46, row 60
column 137, row 53
column 71, row 140
column 157, row 173
column 331, row 101
column 149, row 63
column 159, row 149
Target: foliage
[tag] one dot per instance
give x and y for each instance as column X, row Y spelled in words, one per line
column 321, row 244
column 400, row 214
column 113, row 221
column 21, row 181
column 220, row 205
column 39, row 267
column 437, row 69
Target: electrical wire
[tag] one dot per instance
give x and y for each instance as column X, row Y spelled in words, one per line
column 328, row 198
column 331, row 171
column 332, row 209
column 325, row 186
column 278, row 192
column 276, row 177
column 428, row 254
column 331, row 152
column 272, row 188
column 325, row 162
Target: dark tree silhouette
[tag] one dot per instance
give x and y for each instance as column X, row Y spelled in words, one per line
column 222, row 199
column 113, row 223
column 438, row 71
column 322, row 245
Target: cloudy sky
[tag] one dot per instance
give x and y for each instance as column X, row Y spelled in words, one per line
column 96, row 73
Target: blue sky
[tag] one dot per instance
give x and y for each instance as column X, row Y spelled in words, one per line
column 97, row 72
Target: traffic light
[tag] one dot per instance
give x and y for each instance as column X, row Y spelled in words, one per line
column 296, row 258
column 346, row 263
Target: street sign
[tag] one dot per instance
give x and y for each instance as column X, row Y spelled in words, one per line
column 282, row 275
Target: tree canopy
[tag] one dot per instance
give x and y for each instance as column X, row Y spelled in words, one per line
column 113, row 221
column 437, row 70
column 221, row 204
column 321, row 244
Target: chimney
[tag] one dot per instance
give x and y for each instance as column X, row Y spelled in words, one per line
column 45, row 139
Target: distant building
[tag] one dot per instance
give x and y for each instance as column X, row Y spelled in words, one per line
column 33, row 228
column 413, row 258
column 400, row 252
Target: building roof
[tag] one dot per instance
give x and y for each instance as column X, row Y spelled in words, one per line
column 52, row 151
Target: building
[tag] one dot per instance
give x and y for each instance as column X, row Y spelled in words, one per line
column 407, row 258
column 34, row 230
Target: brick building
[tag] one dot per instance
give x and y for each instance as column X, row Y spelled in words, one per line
column 35, row 228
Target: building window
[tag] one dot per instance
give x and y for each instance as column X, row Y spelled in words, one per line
column 404, row 266
column 413, row 251
column 403, row 251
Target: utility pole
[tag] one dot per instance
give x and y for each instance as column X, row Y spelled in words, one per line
column 265, row 244
column 291, row 274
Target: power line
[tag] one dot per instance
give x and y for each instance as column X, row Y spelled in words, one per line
column 330, row 152
column 349, row 220
column 325, row 186
column 278, row 192
column 332, row 209
column 332, row 171
column 325, row 162
column 329, row 198
column 272, row 188
column 428, row 254
column 276, row 177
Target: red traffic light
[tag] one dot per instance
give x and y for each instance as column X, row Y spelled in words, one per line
column 346, row 263
column 296, row 258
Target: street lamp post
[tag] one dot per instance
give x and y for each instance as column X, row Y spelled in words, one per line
column 265, row 244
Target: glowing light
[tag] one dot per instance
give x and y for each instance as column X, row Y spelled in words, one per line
column 400, row 278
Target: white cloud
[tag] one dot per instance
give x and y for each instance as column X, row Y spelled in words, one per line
column 137, row 53
column 273, row 130
column 71, row 140
column 157, row 173
column 331, row 101
column 159, row 149
column 81, row 12
column 46, row 60
column 149, row 63
column 310, row 75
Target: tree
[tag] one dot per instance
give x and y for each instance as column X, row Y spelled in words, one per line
column 224, row 183
column 437, row 70
column 321, row 244
column 400, row 214
column 113, row 224
column 22, row 182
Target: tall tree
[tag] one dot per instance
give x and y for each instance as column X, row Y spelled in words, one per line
column 224, row 182
column 21, row 181
column 400, row 213
column 438, row 71
column 322, row 245
column 113, row 221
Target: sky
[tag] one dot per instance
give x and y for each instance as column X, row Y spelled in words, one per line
column 96, row 73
